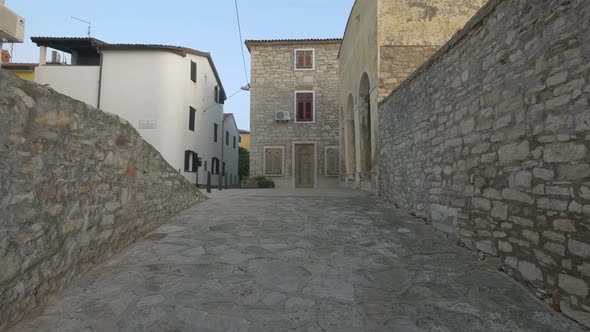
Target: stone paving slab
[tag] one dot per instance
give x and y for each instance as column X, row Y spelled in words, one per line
column 271, row 260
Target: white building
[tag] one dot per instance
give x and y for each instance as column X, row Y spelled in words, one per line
column 172, row 95
column 231, row 145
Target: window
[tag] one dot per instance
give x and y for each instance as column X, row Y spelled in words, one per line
column 223, row 169
column 215, row 133
column 191, row 161
column 273, row 161
column 214, row 165
column 304, row 59
column 240, row 139
column 205, row 165
column 193, row 71
column 332, row 161
column 227, row 138
column 191, row 118
column 217, row 94
column 234, row 142
column 304, row 106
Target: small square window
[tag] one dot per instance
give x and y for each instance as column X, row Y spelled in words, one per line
column 304, row 59
column 304, row 106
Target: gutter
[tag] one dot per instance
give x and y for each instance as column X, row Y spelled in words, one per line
column 99, row 78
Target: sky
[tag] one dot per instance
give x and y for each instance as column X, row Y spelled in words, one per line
column 205, row 25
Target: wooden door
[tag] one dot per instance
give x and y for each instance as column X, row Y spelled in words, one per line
column 304, row 165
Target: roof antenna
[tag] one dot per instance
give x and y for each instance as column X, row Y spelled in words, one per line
column 89, row 24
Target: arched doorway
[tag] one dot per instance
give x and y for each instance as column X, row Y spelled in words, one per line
column 350, row 138
column 365, row 123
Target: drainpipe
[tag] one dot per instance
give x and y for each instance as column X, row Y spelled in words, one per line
column 99, row 78
column 222, row 146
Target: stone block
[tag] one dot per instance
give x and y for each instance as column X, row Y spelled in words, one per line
column 564, row 152
column 515, row 195
column 573, row 285
column 573, row 172
column 481, row 204
column 578, row 248
column 564, row 225
column 514, row 152
column 487, row 246
column 500, row 210
column 530, row 271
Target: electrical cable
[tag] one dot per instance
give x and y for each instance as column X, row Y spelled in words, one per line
column 233, row 94
column 241, row 42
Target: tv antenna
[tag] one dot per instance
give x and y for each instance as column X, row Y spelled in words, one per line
column 83, row 21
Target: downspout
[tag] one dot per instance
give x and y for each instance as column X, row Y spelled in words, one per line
column 99, row 78
column 222, row 147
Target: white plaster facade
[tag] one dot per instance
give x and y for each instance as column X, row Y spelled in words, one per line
column 231, row 145
column 152, row 87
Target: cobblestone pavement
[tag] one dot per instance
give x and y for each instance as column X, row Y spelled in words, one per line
column 295, row 261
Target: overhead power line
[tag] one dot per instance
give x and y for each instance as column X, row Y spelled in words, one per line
column 241, row 42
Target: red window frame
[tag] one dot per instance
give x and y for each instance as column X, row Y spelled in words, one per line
column 304, row 59
column 304, row 106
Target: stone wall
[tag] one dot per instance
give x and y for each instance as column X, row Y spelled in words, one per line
column 490, row 140
column 77, row 185
column 274, row 82
column 396, row 63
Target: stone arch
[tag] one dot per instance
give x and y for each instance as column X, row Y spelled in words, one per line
column 350, row 137
column 364, row 108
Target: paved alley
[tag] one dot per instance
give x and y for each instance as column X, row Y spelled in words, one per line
column 271, row 260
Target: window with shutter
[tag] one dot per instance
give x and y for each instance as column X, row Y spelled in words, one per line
column 234, row 142
column 191, row 118
column 273, row 161
column 215, row 132
column 304, row 102
column 304, row 59
column 193, row 71
column 332, row 168
column 227, row 138
column 187, row 160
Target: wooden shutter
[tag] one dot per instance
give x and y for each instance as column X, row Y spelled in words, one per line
column 215, row 132
column 308, row 59
column 187, row 160
column 195, row 162
column 234, row 142
column 300, row 59
column 227, row 138
column 305, row 106
column 274, row 161
column 191, row 118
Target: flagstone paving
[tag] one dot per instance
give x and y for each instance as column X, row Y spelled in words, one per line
column 271, row 260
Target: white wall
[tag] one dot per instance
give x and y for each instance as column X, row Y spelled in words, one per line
column 230, row 153
column 156, row 86
column 78, row 82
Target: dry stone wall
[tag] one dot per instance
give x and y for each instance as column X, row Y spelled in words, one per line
column 490, row 140
column 76, row 186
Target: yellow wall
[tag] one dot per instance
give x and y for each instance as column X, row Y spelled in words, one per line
column 24, row 74
column 245, row 141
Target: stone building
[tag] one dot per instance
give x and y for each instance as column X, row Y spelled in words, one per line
column 294, row 112
column 384, row 42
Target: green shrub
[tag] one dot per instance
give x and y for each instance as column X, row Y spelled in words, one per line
column 262, row 182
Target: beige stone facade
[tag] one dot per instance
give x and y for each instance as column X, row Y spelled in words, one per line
column 276, row 82
column 384, row 42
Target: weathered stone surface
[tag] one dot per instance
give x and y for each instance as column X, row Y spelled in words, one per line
column 578, row 248
column 573, row 285
column 530, row 271
column 357, row 274
column 65, row 182
column 529, row 148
